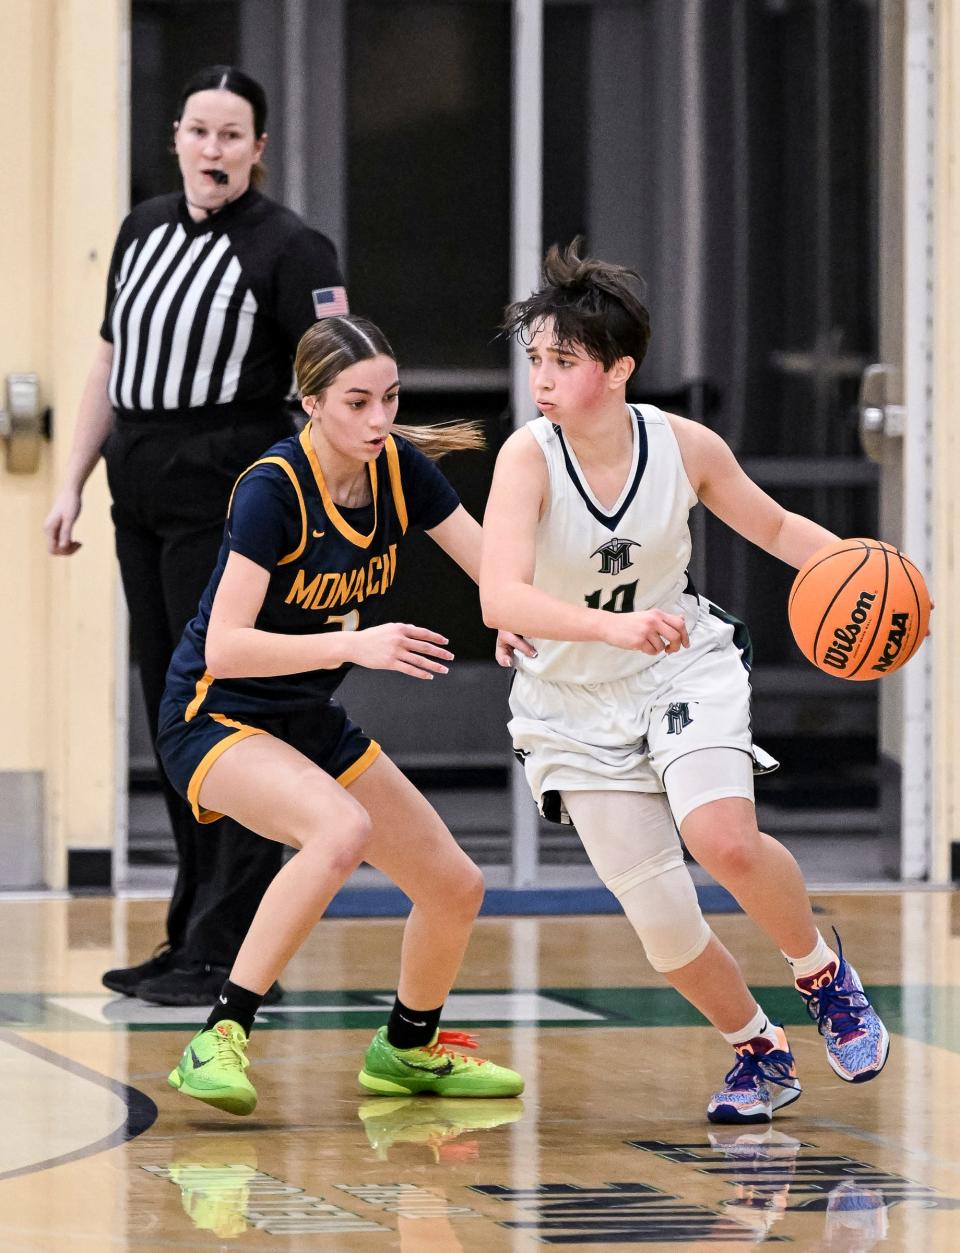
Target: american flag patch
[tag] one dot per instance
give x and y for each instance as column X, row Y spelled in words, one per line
column 330, row 302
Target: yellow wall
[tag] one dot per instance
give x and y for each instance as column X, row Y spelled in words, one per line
column 946, row 450
column 63, row 66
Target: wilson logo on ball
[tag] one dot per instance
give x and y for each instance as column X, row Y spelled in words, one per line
column 845, row 638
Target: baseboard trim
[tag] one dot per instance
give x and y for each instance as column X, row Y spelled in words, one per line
column 22, row 822
column 89, row 869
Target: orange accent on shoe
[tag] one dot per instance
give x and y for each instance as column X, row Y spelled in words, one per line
column 465, row 1151
column 823, row 978
column 458, row 1038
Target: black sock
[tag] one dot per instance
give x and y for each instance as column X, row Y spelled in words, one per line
column 236, row 1003
column 411, row 1028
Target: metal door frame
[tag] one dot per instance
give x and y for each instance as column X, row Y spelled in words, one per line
column 901, row 440
column 526, row 196
column 916, row 802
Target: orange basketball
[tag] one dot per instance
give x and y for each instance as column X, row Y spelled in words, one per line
column 859, row 609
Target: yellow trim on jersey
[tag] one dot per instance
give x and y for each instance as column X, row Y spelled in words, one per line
column 393, row 465
column 203, row 686
column 363, row 762
column 333, row 513
column 291, row 475
column 203, row 769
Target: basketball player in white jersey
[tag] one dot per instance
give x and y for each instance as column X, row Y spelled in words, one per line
column 633, row 719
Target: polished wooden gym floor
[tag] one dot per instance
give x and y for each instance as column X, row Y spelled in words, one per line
column 608, row 1147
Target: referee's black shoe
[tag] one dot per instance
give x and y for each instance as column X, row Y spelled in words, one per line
column 126, row 979
column 192, row 983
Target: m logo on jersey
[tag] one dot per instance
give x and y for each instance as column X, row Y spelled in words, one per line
column 615, row 555
column 677, row 717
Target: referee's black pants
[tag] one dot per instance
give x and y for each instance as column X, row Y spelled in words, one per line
column 170, row 489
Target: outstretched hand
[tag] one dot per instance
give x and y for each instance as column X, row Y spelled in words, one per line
column 400, row 646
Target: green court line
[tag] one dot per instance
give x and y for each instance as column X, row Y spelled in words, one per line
column 926, row 1013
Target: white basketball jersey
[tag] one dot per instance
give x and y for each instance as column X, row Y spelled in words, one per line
column 630, row 557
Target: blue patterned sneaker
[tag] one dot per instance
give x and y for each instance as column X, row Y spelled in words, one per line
column 763, row 1079
column 857, row 1218
column 763, row 1165
column 857, row 1041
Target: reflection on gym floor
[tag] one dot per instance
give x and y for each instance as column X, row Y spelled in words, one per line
column 607, row 1146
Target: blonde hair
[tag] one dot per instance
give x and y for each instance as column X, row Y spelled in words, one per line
column 437, row 440
column 334, row 344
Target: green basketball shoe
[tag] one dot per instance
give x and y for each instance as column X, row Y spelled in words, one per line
column 211, row 1069
column 406, row 1129
column 434, row 1068
column 215, row 1193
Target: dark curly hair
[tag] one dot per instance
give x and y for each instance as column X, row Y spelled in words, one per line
column 594, row 304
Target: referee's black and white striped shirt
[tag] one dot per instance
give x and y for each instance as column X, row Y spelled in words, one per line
column 206, row 314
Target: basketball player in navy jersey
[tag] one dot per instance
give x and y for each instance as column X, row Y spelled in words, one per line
column 313, row 544
column 634, row 714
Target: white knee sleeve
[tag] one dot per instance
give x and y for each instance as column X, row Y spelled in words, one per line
column 660, row 900
column 709, row 774
column 631, row 840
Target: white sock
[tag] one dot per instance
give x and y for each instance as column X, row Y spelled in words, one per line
column 819, row 956
column 759, row 1025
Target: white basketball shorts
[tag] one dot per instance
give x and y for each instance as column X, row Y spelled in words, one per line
column 623, row 735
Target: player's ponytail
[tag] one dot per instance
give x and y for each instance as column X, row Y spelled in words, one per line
column 442, row 437
column 333, row 344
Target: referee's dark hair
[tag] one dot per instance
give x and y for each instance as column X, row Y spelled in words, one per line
column 228, row 78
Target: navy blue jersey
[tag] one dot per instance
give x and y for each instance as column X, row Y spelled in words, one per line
column 331, row 568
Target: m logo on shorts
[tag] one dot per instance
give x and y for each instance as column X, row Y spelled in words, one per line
column 615, row 555
column 678, row 717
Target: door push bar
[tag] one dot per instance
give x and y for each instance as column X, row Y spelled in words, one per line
column 24, row 422
column 880, row 419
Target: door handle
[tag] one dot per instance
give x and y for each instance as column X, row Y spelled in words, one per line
column 880, row 418
column 23, row 423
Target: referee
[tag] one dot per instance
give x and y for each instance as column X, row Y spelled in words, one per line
column 208, row 293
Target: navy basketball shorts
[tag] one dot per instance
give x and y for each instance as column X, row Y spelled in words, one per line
column 322, row 732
